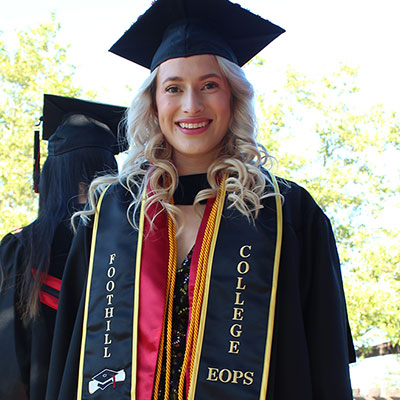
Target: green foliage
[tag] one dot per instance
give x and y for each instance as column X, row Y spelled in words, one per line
column 38, row 65
column 348, row 159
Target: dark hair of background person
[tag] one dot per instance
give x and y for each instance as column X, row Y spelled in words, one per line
column 58, row 199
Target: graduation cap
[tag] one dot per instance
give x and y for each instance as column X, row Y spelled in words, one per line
column 183, row 28
column 66, row 134
column 57, row 108
column 106, row 378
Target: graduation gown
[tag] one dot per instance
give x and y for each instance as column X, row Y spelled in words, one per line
column 25, row 346
column 312, row 344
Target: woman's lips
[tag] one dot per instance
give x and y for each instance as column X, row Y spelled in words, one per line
column 193, row 126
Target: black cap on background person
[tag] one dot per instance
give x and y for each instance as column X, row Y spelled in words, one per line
column 71, row 124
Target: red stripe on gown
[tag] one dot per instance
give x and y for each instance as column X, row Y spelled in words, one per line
column 48, row 280
column 48, row 300
column 153, row 281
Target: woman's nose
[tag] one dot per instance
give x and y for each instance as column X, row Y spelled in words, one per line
column 192, row 102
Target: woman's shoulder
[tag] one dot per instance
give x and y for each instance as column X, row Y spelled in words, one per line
column 119, row 190
column 296, row 195
column 299, row 206
column 125, row 189
column 291, row 192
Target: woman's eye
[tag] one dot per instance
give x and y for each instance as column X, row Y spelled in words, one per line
column 172, row 89
column 210, row 85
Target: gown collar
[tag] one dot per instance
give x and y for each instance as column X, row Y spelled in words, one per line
column 188, row 187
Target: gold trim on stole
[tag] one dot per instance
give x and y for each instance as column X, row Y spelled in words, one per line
column 136, row 300
column 203, row 315
column 272, row 304
column 87, row 295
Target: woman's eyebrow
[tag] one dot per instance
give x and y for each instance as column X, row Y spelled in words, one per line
column 173, row 78
column 212, row 75
column 201, row 78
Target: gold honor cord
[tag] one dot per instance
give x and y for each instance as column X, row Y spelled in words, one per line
column 205, row 260
column 89, row 281
column 272, row 304
column 136, row 299
column 170, row 303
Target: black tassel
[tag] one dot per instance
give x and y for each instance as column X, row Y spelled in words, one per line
column 36, row 163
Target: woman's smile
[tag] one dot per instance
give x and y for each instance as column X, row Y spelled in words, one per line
column 194, row 126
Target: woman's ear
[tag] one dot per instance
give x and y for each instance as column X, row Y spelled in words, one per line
column 82, row 193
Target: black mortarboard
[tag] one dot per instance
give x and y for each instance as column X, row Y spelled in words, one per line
column 78, row 132
column 57, row 108
column 183, row 28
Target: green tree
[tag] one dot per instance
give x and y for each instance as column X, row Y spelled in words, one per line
column 347, row 157
column 38, row 65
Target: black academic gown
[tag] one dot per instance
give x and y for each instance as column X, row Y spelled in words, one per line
column 25, row 346
column 312, row 344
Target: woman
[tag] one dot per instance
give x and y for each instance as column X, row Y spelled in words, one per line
column 191, row 278
column 33, row 257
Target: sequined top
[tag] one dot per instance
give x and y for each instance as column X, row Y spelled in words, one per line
column 180, row 318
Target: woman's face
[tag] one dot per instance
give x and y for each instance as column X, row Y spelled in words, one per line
column 193, row 105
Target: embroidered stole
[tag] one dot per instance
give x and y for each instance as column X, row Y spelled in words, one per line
column 125, row 302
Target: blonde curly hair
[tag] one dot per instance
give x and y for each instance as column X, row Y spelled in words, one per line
column 149, row 160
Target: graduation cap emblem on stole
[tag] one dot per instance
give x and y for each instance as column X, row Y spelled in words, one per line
column 106, row 378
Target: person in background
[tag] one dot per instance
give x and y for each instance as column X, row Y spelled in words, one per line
column 81, row 146
column 196, row 273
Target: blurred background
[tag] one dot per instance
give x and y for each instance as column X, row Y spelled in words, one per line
column 329, row 112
